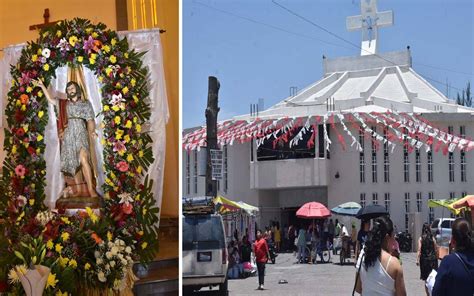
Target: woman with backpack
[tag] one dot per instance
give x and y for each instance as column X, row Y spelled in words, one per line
column 427, row 255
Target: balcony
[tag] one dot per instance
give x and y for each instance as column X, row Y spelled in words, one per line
column 289, row 173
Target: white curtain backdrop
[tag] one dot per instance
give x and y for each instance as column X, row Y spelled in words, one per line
column 146, row 40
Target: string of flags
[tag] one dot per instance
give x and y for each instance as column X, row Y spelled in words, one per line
column 409, row 130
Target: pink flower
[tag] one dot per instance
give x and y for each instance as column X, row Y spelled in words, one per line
column 119, row 147
column 122, row 166
column 20, row 170
column 20, row 200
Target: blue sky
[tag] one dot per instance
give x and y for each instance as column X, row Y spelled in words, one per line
column 255, row 61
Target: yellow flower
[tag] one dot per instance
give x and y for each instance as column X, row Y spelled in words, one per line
column 106, row 48
column 144, row 245
column 60, row 293
column 115, row 108
column 118, row 85
column 58, row 248
column 29, row 89
column 59, row 33
column 140, row 232
column 65, row 236
column 125, row 90
column 18, row 103
column 112, row 59
column 135, row 119
column 113, row 41
column 92, row 215
column 52, row 281
column 91, row 61
column 40, row 114
column 126, row 55
column 65, row 220
column 49, row 244
column 39, row 51
column 14, row 149
column 128, row 124
column 108, row 71
column 140, row 153
column 117, row 119
column 135, row 98
column 139, row 169
column 102, row 141
column 137, row 198
column 14, row 273
column 23, row 108
column 25, row 127
column 133, row 82
column 144, row 211
column 94, row 56
column 118, row 134
column 38, row 150
column 95, row 35
column 126, row 138
column 72, row 40
column 106, row 108
column 34, row 58
column 40, row 94
column 101, row 78
column 45, row 34
column 113, row 176
column 109, row 236
column 80, row 59
column 73, row 263
column 46, row 67
column 87, row 266
column 63, row 261
column 130, row 158
column 89, row 30
column 138, row 127
column 20, row 217
column 31, row 201
column 39, row 138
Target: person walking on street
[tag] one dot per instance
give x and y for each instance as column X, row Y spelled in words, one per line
column 277, row 235
column 331, row 231
column 456, row 271
column 427, row 255
column 291, row 238
column 262, row 255
column 301, row 244
column 379, row 272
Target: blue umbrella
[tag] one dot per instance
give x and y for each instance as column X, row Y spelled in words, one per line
column 347, row 209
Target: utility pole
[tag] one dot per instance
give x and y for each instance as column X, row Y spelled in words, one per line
column 211, row 137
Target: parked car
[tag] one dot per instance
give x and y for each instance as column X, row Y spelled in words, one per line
column 441, row 229
column 204, row 253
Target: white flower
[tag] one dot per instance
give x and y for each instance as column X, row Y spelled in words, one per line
column 114, row 251
column 99, row 261
column 63, row 44
column 42, row 60
column 110, row 244
column 96, row 254
column 122, row 243
column 101, row 277
column 124, row 262
column 107, row 266
column 116, row 99
column 108, row 255
column 128, row 249
column 112, row 263
column 46, row 53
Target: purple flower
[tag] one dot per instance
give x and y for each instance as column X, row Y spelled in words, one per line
column 25, row 78
column 88, row 44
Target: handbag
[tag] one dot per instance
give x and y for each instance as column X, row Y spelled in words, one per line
column 430, row 281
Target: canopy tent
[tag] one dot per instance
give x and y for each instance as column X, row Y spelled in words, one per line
column 226, row 205
column 445, row 203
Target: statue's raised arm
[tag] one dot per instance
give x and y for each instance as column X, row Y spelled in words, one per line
column 39, row 83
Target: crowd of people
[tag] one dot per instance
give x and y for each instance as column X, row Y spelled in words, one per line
column 378, row 265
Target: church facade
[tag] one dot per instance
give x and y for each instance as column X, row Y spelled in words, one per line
column 279, row 175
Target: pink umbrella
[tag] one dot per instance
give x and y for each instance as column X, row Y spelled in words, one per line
column 313, row 210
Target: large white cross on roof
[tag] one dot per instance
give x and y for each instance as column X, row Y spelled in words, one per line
column 369, row 21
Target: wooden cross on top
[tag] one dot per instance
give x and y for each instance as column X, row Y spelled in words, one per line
column 46, row 23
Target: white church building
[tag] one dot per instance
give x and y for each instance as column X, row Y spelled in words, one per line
column 371, row 130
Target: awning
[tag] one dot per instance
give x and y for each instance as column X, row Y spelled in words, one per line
column 445, row 203
column 226, row 205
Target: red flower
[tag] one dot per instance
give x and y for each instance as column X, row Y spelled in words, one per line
column 20, row 132
column 127, row 208
column 31, row 150
column 19, row 116
column 122, row 166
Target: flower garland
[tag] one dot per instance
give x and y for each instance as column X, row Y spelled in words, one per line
column 94, row 249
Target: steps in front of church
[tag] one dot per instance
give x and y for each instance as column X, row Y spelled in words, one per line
column 162, row 276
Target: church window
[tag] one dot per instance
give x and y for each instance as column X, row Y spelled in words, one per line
column 362, row 199
column 195, row 156
column 387, row 202
column 407, row 208
column 430, row 164
column 375, row 198
column 386, row 159
column 374, row 157
column 419, row 202
column 431, row 210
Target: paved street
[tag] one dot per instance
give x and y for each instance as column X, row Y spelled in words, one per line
column 320, row 279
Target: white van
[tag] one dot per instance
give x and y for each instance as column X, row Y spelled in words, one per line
column 204, row 253
column 441, row 229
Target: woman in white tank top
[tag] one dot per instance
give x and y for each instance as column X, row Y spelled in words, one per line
column 380, row 273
